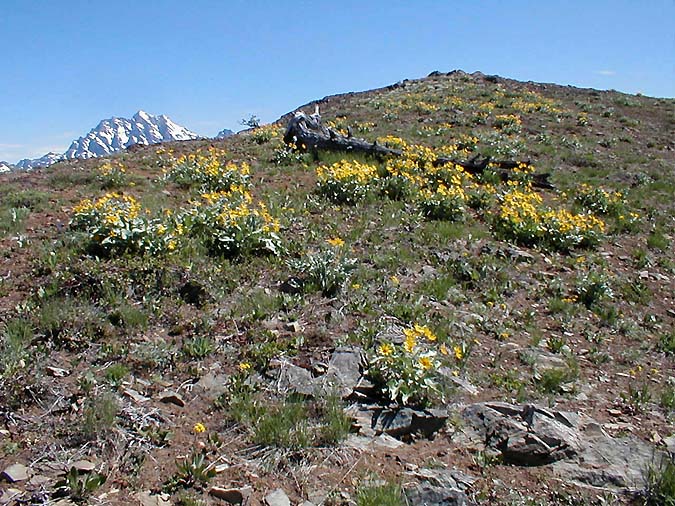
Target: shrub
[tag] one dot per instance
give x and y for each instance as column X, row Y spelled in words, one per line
column 326, row 270
column 444, row 203
column 208, row 172
column 231, row 224
column 115, row 225
column 408, row 373
column 346, row 182
column 523, row 219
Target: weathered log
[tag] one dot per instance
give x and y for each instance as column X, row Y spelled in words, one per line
column 307, row 133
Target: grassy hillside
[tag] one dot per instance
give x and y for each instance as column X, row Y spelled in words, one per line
column 201, row 267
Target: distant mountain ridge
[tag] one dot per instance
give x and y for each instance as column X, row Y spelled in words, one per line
column 115, row 134
column 43, row 161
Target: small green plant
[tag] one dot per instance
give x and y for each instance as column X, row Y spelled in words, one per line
column 660, row 479
column 208, row 172
column 446, row 203
column 100, row 414
column 17, row 335
column 115, row 374
column 11, row 220
column 284, row 426
column 554, row 380
column 335, row 425
column 79, row 486
column 112, row 174
column 593, row 288
column 115, row 224
column 667, row 399
column 232, row 224
column 388, row 494
column 198, row 347
column 556, row 344
column 636, row 398
column 265, row 133
column 657, row 240
column 193, row 471
column 325, row 271
column 667, row 343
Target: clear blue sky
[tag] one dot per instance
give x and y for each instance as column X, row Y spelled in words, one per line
column 67, row 64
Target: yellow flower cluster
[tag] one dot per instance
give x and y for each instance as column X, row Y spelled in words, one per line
column 346, row 182
column 208, row 171
column 231, row 222
column 344, row 170
column 522, row 217
column 393, row 142
column 113, row 208
column 407, row 372
column 110, row 168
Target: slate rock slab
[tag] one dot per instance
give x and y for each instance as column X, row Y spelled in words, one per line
column 429, row 495
column 403, row 421
column 525, row 435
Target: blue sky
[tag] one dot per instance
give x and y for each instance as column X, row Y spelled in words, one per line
column 67, row 64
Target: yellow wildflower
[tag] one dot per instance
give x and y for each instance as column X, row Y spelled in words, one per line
column 426, row 363
column 335, row 241
column 245, row 366
column 459, row 352
column 199, row 428
column 385, row 349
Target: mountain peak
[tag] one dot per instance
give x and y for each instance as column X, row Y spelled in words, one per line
column 141, row 114
column 115, row 134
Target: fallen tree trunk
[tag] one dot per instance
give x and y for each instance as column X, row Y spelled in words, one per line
column 308, row 133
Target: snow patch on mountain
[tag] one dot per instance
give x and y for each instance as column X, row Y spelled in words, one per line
column 5, row 167
column 43, row 161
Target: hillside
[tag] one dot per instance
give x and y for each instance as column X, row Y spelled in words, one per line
column 216, row 320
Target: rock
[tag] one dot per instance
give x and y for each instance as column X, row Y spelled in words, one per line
column 670, row 443
column 465, row 385
column 608, row 462
column 211, row 385
column 362, row 419
column 84, row 466
column 403, row 421
column 148, row 499
column 429, row 495
column 16, row 473
column 171, row 397
column 345, row 370
column 445, row 478
column 57, row 372
column 294, row 327
column 135, row 396
column 526, row 435
column 231, row 495
column 576, row 446
column 292, row 378
column 9, row 495
column 38, row 480
column 277, row 498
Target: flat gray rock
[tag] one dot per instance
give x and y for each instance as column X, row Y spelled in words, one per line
column 403, row 421
column 277, row 498
column 16, row 473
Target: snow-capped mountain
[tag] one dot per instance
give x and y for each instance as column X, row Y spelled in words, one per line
column 114, row 134
column 5, row 167
column 43, row 161
column 224, row 133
